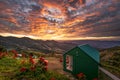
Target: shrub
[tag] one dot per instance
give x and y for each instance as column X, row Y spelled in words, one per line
column 81, row 76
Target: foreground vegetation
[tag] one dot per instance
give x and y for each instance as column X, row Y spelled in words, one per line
column 15, row 70
column 29, row 67
column 14, row 67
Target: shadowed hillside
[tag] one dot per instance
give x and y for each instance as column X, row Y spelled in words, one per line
column 38, row 45
column 50, row 46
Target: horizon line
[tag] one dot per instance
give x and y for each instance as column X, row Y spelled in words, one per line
column 68, row 39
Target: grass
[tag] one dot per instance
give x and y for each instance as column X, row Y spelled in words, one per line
column 103, row 76
column 8, row 67
column 110, row 60
column 114, row 70
column 10, row 70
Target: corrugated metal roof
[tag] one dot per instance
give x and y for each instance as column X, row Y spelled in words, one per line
column 90, row 51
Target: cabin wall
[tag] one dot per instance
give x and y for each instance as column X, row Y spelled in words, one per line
column 85, row 65
column 82, row 63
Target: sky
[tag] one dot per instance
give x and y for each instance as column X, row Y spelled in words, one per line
column 61, row 19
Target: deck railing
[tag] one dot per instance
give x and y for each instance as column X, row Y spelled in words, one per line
column 105, row 75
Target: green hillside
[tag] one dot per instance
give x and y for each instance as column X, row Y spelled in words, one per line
column 110, row 59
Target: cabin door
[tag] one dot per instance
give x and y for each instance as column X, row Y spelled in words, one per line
column 69, row 62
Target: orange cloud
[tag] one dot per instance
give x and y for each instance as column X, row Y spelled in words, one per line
column 58, row 19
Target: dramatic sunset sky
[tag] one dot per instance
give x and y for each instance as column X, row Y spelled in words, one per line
column 61, row 19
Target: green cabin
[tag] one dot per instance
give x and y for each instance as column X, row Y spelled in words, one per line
column 82, row 59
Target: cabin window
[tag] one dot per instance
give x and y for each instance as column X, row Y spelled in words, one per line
column 69, row 62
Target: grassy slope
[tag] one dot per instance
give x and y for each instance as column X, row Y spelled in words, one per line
column 110, row 59
column 10, row 67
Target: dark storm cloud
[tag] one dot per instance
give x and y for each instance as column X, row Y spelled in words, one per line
column 104, row 22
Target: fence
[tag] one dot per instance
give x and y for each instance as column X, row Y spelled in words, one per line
column 105, row 75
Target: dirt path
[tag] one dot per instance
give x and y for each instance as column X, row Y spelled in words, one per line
column 55, row 65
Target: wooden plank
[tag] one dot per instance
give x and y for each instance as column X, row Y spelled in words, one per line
column 109, row 74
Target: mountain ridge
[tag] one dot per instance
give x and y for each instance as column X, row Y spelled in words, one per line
column 26, row 43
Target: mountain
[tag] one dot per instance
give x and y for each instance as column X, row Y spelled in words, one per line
column 95, row 43
column 30, row 44
column 51, row 45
